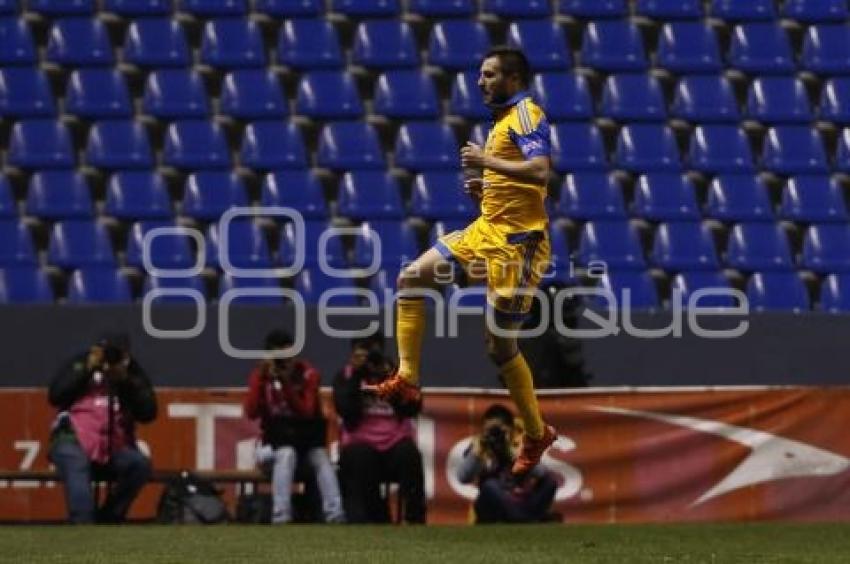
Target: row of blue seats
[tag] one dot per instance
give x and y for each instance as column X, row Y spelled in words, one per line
column 436, row 195
column 254, row 94
column 677, row 246
column 804, row 10
column 765, row 291
column 608, row 45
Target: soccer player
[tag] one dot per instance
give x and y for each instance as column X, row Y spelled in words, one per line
column 507, row 245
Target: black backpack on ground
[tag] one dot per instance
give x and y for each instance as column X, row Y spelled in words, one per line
column 190, row 499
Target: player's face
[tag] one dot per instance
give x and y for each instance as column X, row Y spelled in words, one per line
column 492, row 82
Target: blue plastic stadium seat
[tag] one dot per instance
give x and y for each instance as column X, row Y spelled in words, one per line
column 748, row 10
column 136, row 196
column 591, row 195
column 60, row 8
column 442, row 8
column 406, row 94
column 813, row 198
column 842, row 155
column 613, row 242
column 167, row 251
column 761, row 47
column 195, row 144
column 16, row 44
column 155, row 283
column 349, row 145
column 8, row 206
column 632, row 290
column 333, row 248
column 309, row 44
column 826, row 49
column 835, row 293
column 543, row 42
column 59, row 194
column 613, row 46
column 369, row 194
column 835, row 100
column 250, row 94
column 669, row 9
column 688, row 283
column 228, row 282
column 367, row 8
column 705, row 99
column 101, row 285
column 633, row 97
column 328, row 94
column 826, row 248
column 594, row 8
column 290, row 9
column 458, row 44
column 814, row 11
column 647, row 148
column 232, row 43
column 561, row 268
column 16, row 245
column 41, row 143
column 272, row 144
column 778, row 99
column 563, row 96
column 684, row 245
column 577, row 146
column 98, row 94
column 720, row 149
column 664, row 196
column 438, row 194
column 738, row 197
column 397, row 239
column 156, row 42
column 426, row 146
column 210, row 193
column 24, row 285
column 511, row 9
column 247, row 246
column 78, row 243
column 466, row 100
column 689, row 47
column 794, row 149
column 25, row 93
column 9, row 7
column 213, row 8
column 138, row 8
column 384, row 44
column 79, row 42
column 175, row 94
column 313, row 283
column 479, row 133
column 758, row 246
column 297, row 189
column 119, row 144
column 777, row 291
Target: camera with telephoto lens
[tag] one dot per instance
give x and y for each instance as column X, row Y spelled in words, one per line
column 112, row 355
column 495, row 441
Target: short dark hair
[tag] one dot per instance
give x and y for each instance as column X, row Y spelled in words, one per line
column 512, row 61
column 368, row 341
column 278, row 339
column 499, row 411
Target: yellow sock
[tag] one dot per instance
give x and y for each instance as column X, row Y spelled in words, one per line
column 410, row 325
column 517, row 377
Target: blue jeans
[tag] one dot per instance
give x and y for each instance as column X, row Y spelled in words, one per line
column 128, row 470
column 282, row 465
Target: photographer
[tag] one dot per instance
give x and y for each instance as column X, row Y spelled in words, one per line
column 488, row 462
column 376, row 439
column 283, row 394
column 101, row 394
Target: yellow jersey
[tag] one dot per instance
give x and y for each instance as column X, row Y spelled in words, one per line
column 520, row 131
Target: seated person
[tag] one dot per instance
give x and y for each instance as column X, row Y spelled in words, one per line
column 284, row 395
column 100, row 395
column 487, row 462
column 376, row 439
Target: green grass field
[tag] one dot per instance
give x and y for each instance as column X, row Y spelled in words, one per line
column 720, row 543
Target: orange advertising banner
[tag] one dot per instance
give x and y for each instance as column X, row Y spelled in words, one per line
column 638, row 455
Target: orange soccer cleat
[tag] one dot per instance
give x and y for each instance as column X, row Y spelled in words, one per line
column 532, row 450
column 398, row 389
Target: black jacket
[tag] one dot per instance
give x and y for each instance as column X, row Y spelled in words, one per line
column 348, row 396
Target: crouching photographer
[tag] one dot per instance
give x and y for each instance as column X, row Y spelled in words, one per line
column 487, row 462
column 101, row 394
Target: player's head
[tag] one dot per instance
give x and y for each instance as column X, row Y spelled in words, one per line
column 504, row 72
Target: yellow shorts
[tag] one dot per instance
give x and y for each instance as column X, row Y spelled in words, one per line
column 512, row 262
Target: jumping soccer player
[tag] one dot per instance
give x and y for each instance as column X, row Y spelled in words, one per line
column 507, row 244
